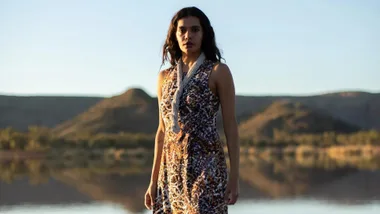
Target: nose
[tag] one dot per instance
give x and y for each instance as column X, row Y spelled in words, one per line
column 188, row 34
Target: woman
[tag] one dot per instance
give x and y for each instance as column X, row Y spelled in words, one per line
column 189, row 172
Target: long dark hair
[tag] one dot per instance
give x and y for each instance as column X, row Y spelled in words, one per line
column 171, row 51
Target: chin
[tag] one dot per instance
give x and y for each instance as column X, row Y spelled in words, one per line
column 191, row 50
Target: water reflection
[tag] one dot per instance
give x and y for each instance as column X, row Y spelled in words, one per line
column 123, row 181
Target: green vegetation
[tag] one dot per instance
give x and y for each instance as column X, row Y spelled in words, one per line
column 326, row 139
column 42, row 139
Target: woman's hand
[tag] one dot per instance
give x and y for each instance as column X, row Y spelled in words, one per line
column 232, row 191
column 150, row 196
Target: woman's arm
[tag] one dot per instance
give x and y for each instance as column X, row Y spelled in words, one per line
column 226, row 92
column 160, row 134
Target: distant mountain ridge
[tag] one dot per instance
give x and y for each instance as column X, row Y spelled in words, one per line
column 292, row 118
column 136, row 111
column 20, row 112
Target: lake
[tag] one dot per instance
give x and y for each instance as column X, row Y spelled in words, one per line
column 269, row 184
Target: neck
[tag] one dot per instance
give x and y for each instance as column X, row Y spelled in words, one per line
column 190, row 59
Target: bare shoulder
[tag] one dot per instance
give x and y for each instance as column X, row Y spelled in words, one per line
column 221, row 66
column 162, row 75
column 222, row 73
column 160, row 80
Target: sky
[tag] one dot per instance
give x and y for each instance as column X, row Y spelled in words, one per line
column 105, row 47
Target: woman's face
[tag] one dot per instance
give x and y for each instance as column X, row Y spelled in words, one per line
column 189, row 35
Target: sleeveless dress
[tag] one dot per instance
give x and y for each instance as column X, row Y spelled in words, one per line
column 193, row 172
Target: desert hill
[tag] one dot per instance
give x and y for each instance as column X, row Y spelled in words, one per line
column 293, row 118
column 362, row 109
column 132, row 111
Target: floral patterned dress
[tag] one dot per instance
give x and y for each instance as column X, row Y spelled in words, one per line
column 193, row 172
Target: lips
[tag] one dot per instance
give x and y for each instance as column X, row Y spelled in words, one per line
column 188, row 44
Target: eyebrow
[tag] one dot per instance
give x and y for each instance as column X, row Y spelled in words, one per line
column 193, row 26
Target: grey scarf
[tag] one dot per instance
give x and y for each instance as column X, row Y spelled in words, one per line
column 180, row 86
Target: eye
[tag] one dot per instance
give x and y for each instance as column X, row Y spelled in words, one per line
column 181, row 30
column 195, row 29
